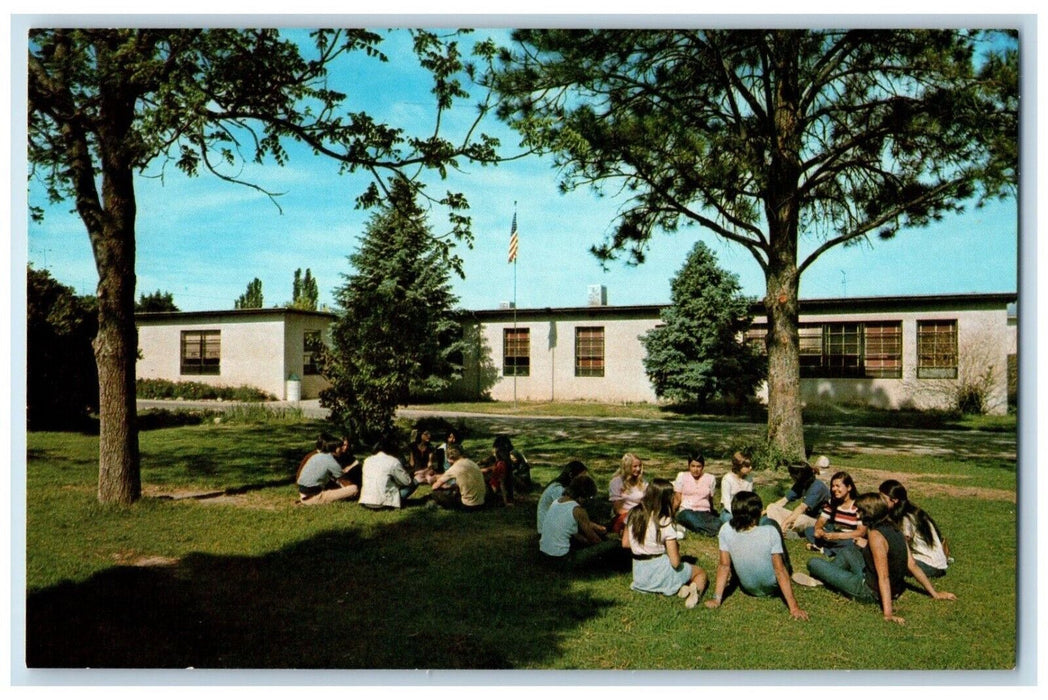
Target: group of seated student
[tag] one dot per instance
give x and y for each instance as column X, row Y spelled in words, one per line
column 875, row 568
column 330, row 473
column 869, row 542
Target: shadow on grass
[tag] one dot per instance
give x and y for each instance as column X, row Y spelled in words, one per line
column 353, row 598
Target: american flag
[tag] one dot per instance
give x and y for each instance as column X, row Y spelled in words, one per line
column 513, row 239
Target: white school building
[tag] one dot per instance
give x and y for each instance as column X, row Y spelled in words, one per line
column 885, row 352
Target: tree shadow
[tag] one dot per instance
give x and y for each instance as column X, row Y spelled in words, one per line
column 351, row 598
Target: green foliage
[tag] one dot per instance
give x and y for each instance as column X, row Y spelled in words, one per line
column 697, row 353
column 252, row 297
column 157, row 301
column 304, row 292
column 397, row 336
column 167, row 389
column 61, row 375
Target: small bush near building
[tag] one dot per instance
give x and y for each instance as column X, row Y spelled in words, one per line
column 167, row 389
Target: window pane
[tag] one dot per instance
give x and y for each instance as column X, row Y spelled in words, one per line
column 937, row 349
column 516, row 352
column 589, row 352
column 311, row 346
column 201, row 352
column 883, row 355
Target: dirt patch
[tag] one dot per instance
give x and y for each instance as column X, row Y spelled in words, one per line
column 128, row 558
column 240, row 500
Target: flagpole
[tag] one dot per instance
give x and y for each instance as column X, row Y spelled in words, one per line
column 515, row 339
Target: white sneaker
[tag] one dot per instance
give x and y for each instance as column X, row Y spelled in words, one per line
column 693, row 597
column 804, row 579
column 680, row 531
column 685, row 590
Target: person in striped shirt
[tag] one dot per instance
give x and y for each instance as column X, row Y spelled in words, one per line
column 838, row 525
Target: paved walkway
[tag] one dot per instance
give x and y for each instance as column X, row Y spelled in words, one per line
column 833, row 440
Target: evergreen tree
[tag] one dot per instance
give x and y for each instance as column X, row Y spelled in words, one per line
column 698, row 353
column 157, row 301
column 252, row 297
column 397, row 335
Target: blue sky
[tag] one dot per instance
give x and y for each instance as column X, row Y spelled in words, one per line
column 204, row 240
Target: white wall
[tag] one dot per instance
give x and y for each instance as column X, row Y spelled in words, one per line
column 256, row 350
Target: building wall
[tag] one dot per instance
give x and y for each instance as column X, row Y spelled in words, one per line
column 257, row 350
column 552, row 354
column 984, row 340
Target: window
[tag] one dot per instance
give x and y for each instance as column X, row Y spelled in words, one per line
column 937, row 349
column 516, row 352
column 201, row 351
column 311, row 347
column 589, row 352
column 883, row 352
column 851, row 350
column 810, row 340
column 843, row 351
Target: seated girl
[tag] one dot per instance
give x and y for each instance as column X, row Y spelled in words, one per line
column 626, row 490
column 497, row 472
column 927, row 545
column 838, row 525
column 567, row 528
column 652, row 539
column 873, row 573
column 555, row 489
column 693, row 497
column 751, row 556
column 739, row 479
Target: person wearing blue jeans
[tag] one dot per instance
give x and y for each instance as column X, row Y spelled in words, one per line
column 693, row 498
column 874, row 572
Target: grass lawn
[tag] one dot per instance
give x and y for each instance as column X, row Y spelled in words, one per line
column 218, row 568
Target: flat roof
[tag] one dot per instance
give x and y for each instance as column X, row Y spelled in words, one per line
column 924, row 301
column 184, row 315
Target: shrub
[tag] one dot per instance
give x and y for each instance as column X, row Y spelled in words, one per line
column 167, row 389
column 259, row 413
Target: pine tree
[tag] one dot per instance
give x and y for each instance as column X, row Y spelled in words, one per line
column 397, row 333
column 698, row 353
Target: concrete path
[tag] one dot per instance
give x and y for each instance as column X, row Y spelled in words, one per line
column 716, row 436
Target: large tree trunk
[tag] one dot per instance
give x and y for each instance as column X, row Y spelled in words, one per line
column 116, row 349
column 785, row 424
column 116, row 345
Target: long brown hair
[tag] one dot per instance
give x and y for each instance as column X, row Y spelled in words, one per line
column 656, row 506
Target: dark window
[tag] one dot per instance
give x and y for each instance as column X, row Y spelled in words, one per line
column 811, row 357
column 311, row 347
column 842, row 351
column 937, row 349
column 589, row 352
column 516, row 352
column 201, row 352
